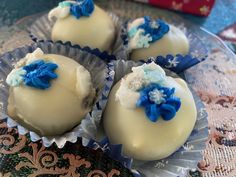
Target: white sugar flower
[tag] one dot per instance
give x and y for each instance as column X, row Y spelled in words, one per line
column 123, row 93
column 61, row 11
column 154, row 24
column 157, row 96
column 139, row 78
column 152, row 73
column 133, row 42
column 31, row 57
column 136, row 84
column 137, row 22
column 15, row 78
column 134, row 81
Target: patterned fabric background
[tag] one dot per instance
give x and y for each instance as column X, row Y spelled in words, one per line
column 214, row 80
column 20, row 158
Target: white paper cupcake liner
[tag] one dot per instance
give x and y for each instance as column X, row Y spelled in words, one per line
column 41, row 29
column 180, row 163
column 121, row 51
column 102, row 78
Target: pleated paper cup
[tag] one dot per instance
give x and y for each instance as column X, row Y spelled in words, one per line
column 185, row 158
column 41, row 30
column 197, row 48
column 102, row 79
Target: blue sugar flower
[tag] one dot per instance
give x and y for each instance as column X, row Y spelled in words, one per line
column 156, row 29
column 158, row 101
column 39, row 73
column 82, row 8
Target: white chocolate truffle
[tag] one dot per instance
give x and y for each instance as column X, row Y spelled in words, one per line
column 95, row 31
column 150, row 38
column 174, row 42
column 143, row 139
column 59, row 108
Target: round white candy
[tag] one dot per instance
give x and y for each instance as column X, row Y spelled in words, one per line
column 95, row 31
column 58, row 108
column 143, row 139
column 174, row 42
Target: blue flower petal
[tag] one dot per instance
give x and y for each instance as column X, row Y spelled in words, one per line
column 46, row 70
column 42, row 84
column 143, row 100
column 82, row 8
column 152, row 112
column 155, row 33
column 33, row 66
column 169, row 92
column 39, row 73
column 167, row 111
column 174, row 101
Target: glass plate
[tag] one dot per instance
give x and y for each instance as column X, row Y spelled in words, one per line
column 16, row 36
column 213, row 80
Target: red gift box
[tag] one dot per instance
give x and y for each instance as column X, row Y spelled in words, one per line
column 196, row 7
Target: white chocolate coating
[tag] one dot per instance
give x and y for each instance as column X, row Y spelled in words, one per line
column 174, row 42
column 143, row 139
column 58, row 108
column 96, row 31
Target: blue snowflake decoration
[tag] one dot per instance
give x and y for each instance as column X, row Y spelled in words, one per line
column 144, row 41
column 39, row 73
column 82, row 8
column 156, row 29
column 177, row 63
column 158, row 101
